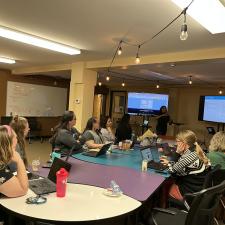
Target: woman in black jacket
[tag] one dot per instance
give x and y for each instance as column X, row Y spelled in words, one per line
column 124, row 131
column 65, row 136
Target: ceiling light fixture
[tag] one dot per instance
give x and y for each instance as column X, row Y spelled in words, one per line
column 157, row 85
column 6, row 60
column 37, row 41
column 190, row 80
column 100, row 83
column 184, row 33
column 137, row 60
column 119, row 52
column 220, row 92
column 108, row 78
column 123, row 84
column 209, row 13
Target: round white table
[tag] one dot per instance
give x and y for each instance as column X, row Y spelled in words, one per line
column 81, row 203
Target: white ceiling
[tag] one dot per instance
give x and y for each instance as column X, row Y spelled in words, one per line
column 204, row 73
column 95, row 26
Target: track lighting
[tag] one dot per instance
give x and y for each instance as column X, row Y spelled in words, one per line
column 184, row 33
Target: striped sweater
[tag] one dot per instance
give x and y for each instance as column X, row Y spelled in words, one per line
column 189, row 163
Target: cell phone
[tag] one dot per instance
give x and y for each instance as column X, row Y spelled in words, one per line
column 32, row 176
column 47, row 165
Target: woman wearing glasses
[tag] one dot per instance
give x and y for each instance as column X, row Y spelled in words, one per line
column 190, row 169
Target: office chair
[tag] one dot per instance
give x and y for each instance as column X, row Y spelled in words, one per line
column 35, row 129
column 201, row 211
column 217, row 179
column 209, row 182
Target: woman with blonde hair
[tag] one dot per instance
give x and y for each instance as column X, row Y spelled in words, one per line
column 217, row 149
column 10, row 185
column 191, row 167
column 21, row 127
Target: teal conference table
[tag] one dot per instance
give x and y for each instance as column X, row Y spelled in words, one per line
column 130, row 159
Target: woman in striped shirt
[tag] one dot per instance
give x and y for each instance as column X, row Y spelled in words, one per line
column 190, row 169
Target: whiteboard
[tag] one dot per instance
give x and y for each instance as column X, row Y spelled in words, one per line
column 35, row 100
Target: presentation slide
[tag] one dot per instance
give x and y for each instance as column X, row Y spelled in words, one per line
column 146, row 102
column 214, row 109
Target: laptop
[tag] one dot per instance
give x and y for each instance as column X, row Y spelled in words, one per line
column 43, row 186
column 96, row 153
column 152, row 155
column 67, row 155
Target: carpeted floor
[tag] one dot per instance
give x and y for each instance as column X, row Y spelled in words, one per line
column 38, row 150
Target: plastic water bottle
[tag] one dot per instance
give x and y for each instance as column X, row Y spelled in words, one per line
column 132, row 137
column 61, row 181
column 115, row 187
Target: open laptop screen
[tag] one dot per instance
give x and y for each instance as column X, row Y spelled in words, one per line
column 146, row 154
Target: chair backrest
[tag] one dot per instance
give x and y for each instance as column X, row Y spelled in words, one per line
column 204, row 205
column 211, row 176
column 219, row 177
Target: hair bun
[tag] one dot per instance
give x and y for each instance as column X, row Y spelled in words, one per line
column 16, row 118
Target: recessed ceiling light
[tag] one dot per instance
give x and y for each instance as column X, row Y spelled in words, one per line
column 209, row 13
column 37, row 41
column 6, row 60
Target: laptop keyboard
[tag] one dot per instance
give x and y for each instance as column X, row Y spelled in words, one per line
column 156, row 165
column 42, row 186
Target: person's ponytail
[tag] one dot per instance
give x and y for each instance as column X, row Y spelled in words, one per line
column 189, row 137
column 201, row 154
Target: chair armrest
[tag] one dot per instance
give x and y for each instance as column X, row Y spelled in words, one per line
column 165, row 211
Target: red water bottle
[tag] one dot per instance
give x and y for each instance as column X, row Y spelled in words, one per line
column 61, row 180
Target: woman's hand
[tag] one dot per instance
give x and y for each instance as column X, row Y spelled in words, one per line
column 164, row 161
column 181, row 147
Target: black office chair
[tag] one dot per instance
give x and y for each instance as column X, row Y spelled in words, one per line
column 201, row 211
column 217, row 179
column 35, row 129
column 209, row 182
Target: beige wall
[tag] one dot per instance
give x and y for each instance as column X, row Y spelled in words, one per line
column 187, row 106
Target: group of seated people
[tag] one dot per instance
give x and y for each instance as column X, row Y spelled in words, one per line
column 189, row 171
column 94, row 136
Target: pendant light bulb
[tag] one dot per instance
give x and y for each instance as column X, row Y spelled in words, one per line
column 184, row 33
column 100, row 83
column 190, row 80
column 137, row 60
column 157, row 86
column 108, row 78
column 119, row 52
column 123, row 84
column 220, row 92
